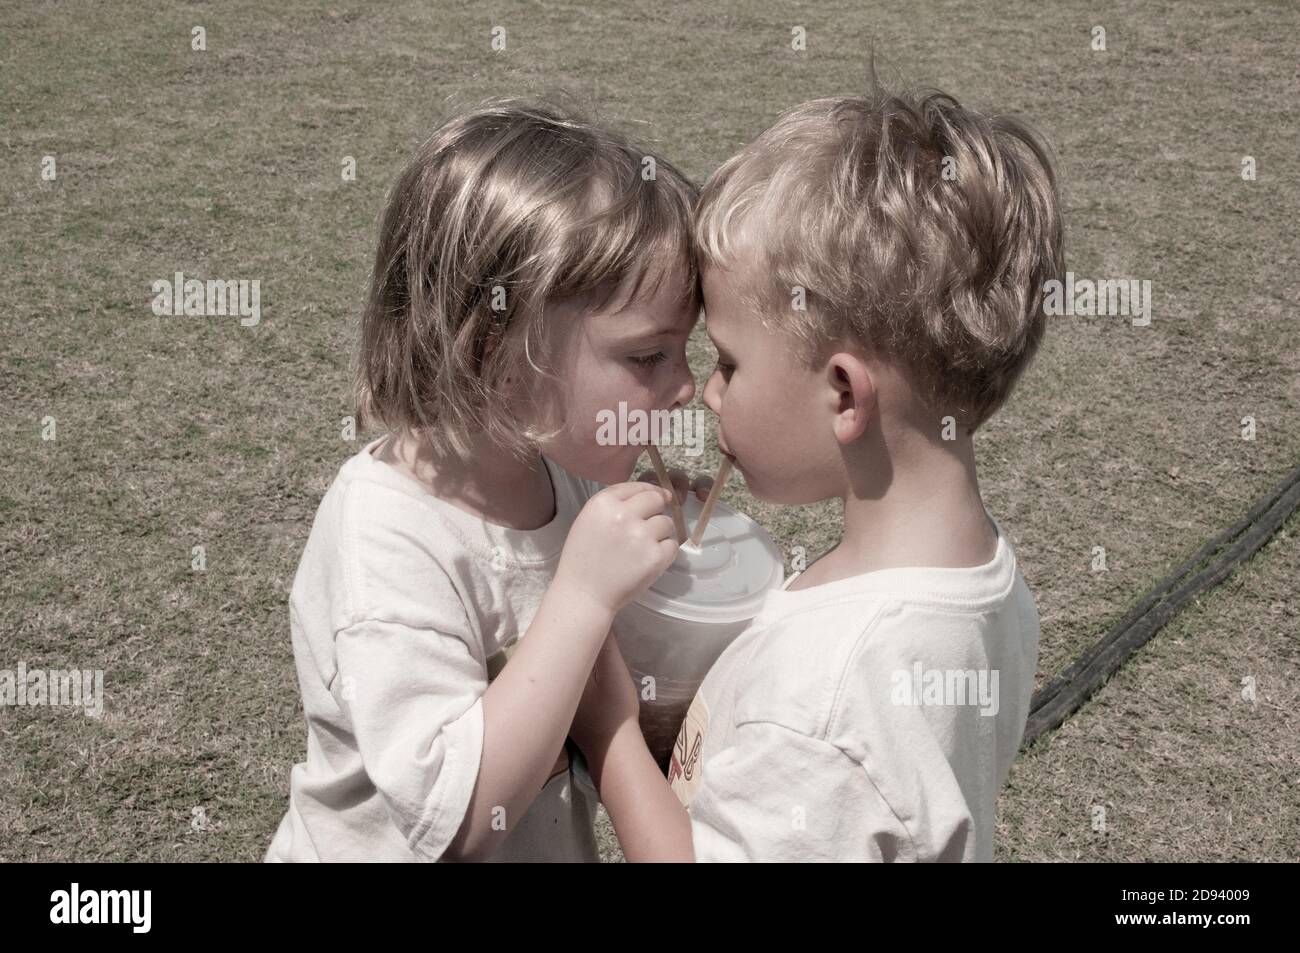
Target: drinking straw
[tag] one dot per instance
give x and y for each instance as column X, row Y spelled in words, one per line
column 679, row 521
column 719, row 482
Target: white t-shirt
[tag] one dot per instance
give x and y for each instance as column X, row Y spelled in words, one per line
column 401, row 606
column 861, row 720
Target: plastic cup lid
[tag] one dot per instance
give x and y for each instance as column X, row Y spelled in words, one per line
column 725, row 578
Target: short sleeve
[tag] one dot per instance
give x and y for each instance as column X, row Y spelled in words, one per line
column 414, row 700
column 779, row 795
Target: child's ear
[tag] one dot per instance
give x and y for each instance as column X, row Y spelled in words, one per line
column 854, row 395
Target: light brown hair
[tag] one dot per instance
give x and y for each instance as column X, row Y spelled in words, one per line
column 921, row 229
column 504, row 209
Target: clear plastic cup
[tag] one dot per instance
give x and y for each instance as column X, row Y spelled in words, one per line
column 671, row 636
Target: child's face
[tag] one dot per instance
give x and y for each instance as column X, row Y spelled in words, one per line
column 774, row 413
column 636, row 356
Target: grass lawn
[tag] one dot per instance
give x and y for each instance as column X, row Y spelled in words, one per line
column 177, row 432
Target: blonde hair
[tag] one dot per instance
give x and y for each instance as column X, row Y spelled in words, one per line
column 504, row 209
column 923, row 230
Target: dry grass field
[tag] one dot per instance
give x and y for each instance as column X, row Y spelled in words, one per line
column 177, row 432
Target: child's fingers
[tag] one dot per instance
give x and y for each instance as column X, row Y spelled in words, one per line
column 649, row 502
column 679, row 477
column 628, row 491
column 702, row 486
column 681, row 483
column 663, row 527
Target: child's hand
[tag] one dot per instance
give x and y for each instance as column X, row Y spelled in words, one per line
column 682, row 483
column 620, row 543
column 608, row 702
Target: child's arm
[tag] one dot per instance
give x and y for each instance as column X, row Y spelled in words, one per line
column 526, row 710
column 650, row 822
column 619, row 544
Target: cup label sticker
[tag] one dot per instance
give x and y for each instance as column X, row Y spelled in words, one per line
column 685, row 768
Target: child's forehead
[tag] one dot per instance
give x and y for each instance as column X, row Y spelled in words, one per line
column 720, row 323
column 666, row 289
column 662, row 311
column 747, row 264
column 731, row 291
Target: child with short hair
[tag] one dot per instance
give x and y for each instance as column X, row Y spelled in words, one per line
column 528, row 276
column 873, row 271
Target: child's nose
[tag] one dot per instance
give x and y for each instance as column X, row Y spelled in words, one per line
column 686, row 387
column 713, row 392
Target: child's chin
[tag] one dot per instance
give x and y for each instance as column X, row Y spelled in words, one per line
column 607, row 469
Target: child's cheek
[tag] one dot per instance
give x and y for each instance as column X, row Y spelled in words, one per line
column 736, row 417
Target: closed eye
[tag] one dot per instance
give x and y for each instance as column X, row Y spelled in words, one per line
column 649, row 360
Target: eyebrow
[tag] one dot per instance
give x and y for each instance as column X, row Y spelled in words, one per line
column 646, row 335
column 721, row 348
column 651, row 333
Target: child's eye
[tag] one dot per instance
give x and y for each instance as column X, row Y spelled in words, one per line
column 649, row 360
column 725, row 369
